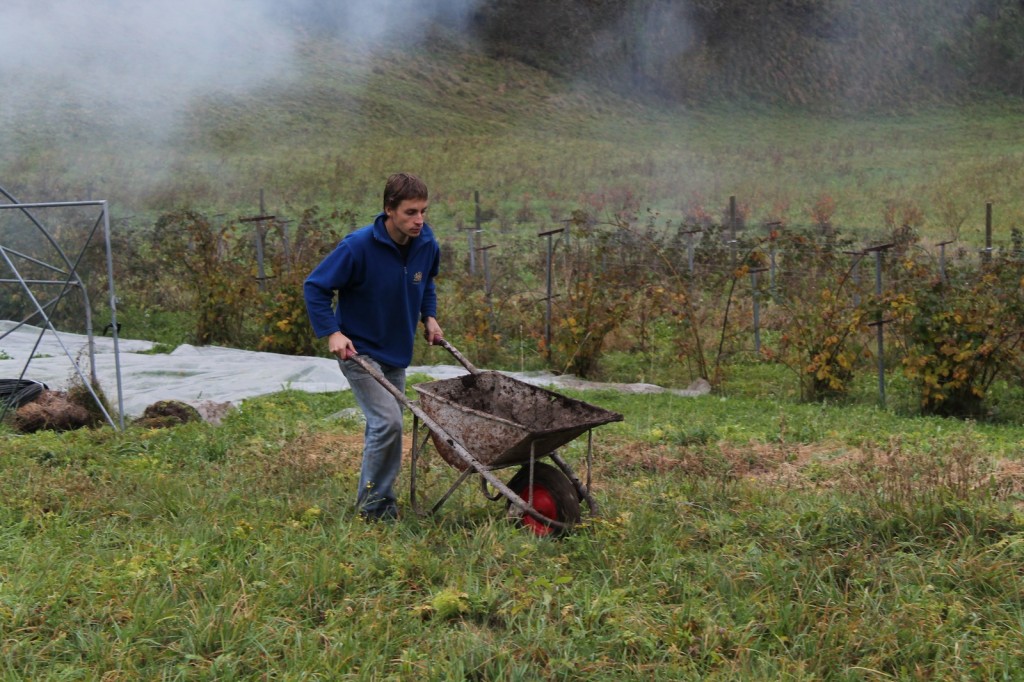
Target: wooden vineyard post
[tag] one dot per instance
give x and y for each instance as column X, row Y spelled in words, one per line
column 855, row 273
column 986, row 256
column 487, row 284
column 690, row 247
column 774, row 228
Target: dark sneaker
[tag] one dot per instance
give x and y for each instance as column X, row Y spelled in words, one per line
column 386, row 514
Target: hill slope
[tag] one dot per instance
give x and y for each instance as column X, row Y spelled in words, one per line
column 327, row 129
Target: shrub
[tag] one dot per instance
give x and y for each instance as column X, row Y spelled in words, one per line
column 212, row 263
column 285, row 323
column 960, row 334
column 821, row 315
column 608, row 272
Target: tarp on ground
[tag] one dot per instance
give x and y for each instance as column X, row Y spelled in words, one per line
column 201, row 374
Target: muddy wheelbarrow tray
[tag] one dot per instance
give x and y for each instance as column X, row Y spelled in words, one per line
column 485, row 421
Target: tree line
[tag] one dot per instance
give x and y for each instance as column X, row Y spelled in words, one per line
column 832, row 53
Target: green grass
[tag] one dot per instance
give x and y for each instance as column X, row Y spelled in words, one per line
column 233, row 552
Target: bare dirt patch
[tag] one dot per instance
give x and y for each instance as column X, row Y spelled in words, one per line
column 324, row 448
column 328, row 448
column 1008, row 480
column 775, row 463
column 889, row 471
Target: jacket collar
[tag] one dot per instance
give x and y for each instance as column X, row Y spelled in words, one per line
column 380, row 233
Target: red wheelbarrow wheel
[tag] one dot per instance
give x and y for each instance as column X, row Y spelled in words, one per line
column 554, row 496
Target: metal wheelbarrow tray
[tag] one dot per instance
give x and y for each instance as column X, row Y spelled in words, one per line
column 485, row 421
column 503, row 421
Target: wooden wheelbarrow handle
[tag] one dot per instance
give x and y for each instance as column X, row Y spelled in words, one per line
column 376, row 374
column 458, row 356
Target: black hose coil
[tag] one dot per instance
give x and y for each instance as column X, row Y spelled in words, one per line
column 17, row 392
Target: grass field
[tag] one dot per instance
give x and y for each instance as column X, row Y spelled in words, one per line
column 739, row 539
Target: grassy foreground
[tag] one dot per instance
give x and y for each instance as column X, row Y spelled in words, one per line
column 738, row 540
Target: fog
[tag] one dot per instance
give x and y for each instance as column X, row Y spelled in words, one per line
column 142, row 62
column 135, row 62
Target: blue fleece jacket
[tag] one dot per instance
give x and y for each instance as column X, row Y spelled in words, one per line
column 381, row 294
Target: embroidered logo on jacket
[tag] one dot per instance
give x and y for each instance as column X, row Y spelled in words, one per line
column 417, row 278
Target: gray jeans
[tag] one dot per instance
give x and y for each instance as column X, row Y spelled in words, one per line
column 382, row 440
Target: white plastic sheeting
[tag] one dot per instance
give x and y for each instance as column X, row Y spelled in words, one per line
column 191, row 374
column 197, row 375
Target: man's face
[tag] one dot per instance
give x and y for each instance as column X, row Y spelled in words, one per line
column 406, row 221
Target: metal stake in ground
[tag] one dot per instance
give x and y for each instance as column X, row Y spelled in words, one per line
column 261, row 275
column 757, row 308
column 879, row 322
column 942, row 259
column 986, row 257
column 547, row 298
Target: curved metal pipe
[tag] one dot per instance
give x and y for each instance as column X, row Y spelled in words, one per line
column 72, row 275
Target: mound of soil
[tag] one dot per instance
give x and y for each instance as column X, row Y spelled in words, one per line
column 54, row 411
column 164, row 413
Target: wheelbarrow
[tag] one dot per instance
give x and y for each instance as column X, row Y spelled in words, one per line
column 486, row 421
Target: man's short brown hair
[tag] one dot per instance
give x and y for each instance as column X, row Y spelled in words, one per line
column 402, row 186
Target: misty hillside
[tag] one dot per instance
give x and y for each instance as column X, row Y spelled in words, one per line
column 322, row 123
column 541, row 106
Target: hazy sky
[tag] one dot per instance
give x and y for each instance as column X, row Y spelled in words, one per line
column 149, row 56
column 132, row 58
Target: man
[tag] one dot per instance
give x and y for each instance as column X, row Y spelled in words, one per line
column 383, row 276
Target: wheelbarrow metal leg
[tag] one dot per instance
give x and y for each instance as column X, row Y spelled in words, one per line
column 414, row 460
column 584, row 492
column 444, row 498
